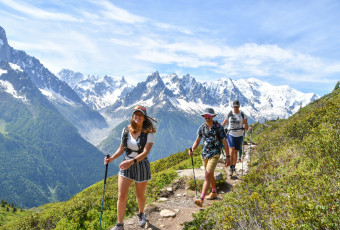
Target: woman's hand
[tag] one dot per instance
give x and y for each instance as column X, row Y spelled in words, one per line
column 190, row 152
column 107, row 160
column 126, row 164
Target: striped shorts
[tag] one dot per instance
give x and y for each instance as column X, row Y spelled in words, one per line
column 138, row 172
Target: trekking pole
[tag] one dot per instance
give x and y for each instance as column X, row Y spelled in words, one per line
column 250, row 148
column 101, row 210
column 243, row 153
column 192, row 162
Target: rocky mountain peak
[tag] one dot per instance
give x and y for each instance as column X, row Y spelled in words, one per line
column 5, row 52
column 3, row 38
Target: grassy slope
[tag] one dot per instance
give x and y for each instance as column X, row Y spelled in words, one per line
column 294, row 180
column 7, row 215
column 82, row 211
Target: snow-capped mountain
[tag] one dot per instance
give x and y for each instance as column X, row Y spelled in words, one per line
column 62, row 96
column 177, row 103
column 98, row 92
column 259, row 100
column 70, row 77
column 15, row 83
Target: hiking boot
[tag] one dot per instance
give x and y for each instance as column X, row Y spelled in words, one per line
column 199, row 202
column 141, row 219
column 118, row 227
column 235, row 172
column 231, row 172
column 212, row 195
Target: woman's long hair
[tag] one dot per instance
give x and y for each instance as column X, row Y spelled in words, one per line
column 148, row 126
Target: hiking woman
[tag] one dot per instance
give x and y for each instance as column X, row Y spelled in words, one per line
column 237, row 122
column 213, row 136
column 137, row 141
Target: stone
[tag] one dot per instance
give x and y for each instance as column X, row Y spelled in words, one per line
column 163, row 199
column 218, row 176
column 169, row 189
column 199, row 174
column 167, row 213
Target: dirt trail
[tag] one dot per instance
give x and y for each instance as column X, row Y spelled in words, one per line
column 180, row 202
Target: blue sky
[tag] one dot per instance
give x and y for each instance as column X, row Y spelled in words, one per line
column 290, row 42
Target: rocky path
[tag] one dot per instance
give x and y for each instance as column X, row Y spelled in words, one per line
column 175, row 205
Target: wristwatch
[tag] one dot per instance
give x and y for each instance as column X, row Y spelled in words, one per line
column 135, row 160
column 227, row 155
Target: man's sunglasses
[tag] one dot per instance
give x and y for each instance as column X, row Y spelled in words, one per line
column 207, row 116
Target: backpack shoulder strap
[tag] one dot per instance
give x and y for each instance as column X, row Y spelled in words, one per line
column 142, row 141
column 242, row 114
column 202, row 127
column 217, row 125
column 125, row 137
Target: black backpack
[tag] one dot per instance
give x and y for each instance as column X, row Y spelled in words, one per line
column 141, row 144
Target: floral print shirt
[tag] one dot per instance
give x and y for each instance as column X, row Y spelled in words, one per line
column 211, row 145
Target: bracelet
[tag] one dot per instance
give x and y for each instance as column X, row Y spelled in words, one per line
column 227, row 155
column 135, row 160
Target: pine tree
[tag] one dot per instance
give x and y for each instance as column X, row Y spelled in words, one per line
column 14, row 209
column 7, row 209
column 3, row 202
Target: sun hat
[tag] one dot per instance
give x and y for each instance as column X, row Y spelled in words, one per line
column 209, row 111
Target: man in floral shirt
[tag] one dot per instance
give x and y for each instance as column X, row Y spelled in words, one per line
column 213, row 136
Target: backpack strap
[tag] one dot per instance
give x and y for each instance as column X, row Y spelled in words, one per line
column 141, row 143
column 218, row 137
column 242, row 114
column 125, row 137
column 202, row 129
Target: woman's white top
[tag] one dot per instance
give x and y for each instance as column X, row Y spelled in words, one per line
column 132, row 142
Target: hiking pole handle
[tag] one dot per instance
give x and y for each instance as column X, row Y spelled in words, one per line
column 192, row 153
column 106, row 167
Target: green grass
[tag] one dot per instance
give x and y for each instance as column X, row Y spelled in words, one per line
column 294, row 178
column 7, row 215
column 82, row 211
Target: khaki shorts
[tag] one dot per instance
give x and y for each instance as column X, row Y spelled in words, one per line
column 210, row 163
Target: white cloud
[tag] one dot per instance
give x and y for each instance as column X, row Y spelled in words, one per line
column 118, row 14
column 37, row 12
column 110, row 39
